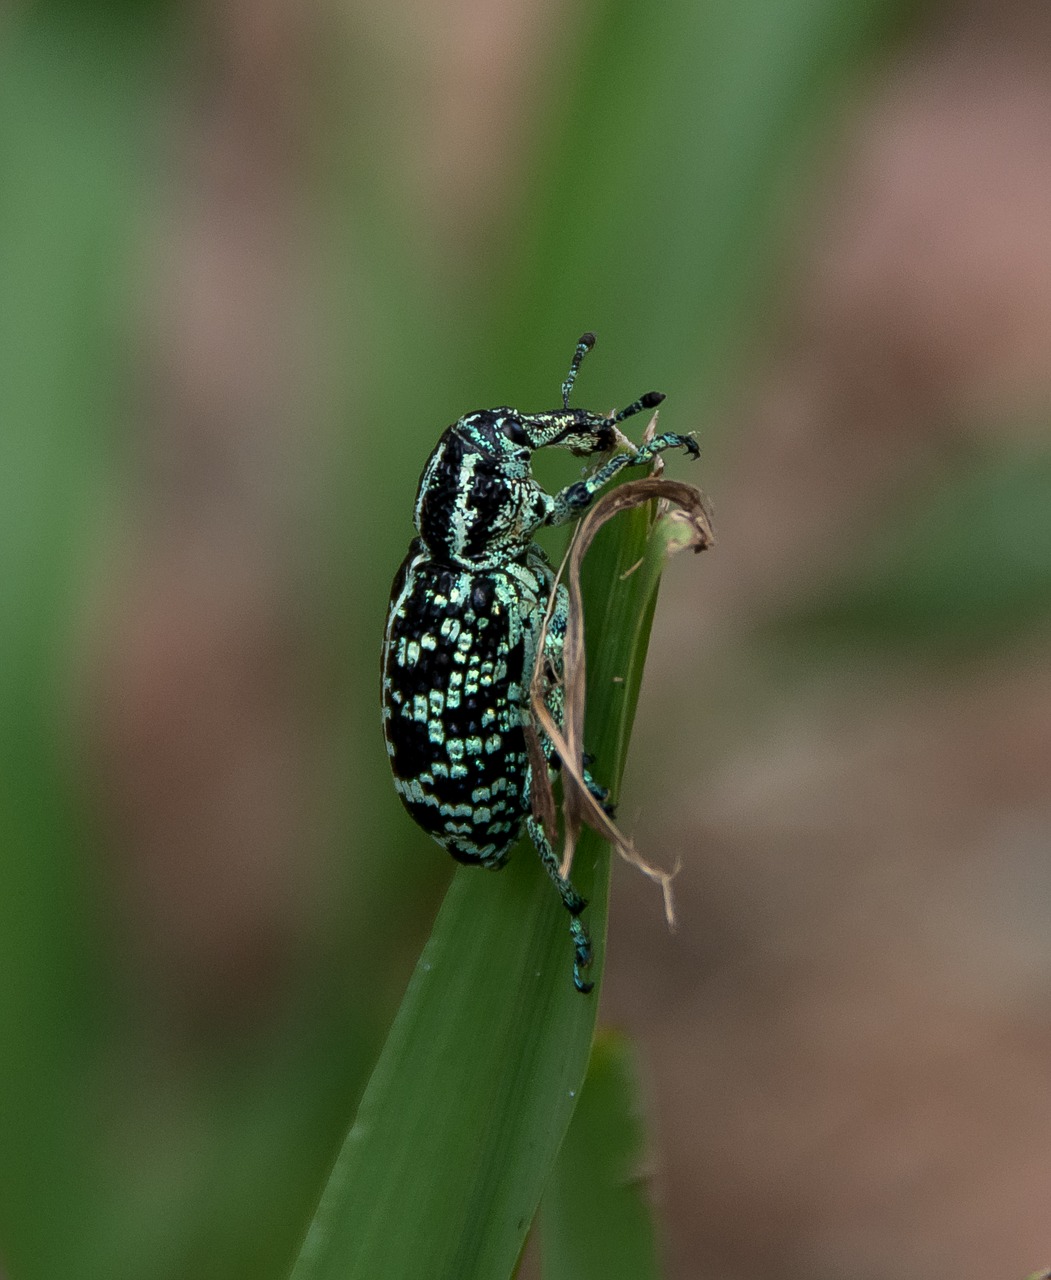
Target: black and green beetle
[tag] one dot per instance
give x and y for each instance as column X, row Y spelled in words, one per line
column 466, row 612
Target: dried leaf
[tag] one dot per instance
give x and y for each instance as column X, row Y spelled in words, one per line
column 685, row 523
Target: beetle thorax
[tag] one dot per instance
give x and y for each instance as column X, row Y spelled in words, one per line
column 478, row 506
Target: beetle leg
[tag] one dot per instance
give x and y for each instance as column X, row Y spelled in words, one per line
column 569, row 502
column 571, row 900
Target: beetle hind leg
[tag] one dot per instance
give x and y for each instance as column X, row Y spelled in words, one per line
column 571, row 900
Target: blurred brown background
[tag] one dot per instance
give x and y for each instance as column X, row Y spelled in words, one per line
column 846, row 1042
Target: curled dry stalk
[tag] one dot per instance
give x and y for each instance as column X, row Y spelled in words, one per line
column 683, row 519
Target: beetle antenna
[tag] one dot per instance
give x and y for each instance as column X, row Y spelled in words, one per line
column 587, row 341
column 649, row 401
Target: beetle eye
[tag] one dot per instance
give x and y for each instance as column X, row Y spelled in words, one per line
column 514, row 431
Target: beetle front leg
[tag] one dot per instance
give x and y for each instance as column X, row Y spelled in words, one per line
column 574, row 499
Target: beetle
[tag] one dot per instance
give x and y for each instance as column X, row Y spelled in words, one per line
column 466, row 612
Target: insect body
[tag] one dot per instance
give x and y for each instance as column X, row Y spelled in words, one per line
column 466, row 613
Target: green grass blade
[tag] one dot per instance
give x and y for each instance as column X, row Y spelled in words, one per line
column 596, row 1222
column 455, row 1138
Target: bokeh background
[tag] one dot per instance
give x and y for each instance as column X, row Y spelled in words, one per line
column 254, row 255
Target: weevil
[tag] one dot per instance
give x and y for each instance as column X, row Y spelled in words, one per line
column 466, row 613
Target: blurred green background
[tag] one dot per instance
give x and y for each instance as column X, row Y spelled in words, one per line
column 253, row 258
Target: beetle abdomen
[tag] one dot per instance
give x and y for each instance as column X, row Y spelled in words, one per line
column 454, row 657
